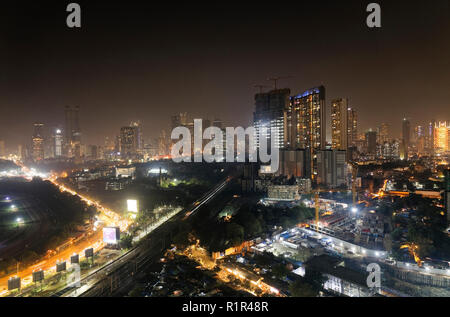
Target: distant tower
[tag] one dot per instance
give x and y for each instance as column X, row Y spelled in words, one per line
column 306, row 123
column 138, row 130
column 72, row 129
column 339, row 124
column 441, row 137
column 352, row 126
column 38, row 142
column 58, row 143
column 406, row 136
column 76, row 133
column 269, row 114
column 129, row 141
column 371, row 141
column 384, row 133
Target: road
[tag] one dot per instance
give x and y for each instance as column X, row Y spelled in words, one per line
column 94, row 240
column 120, row 272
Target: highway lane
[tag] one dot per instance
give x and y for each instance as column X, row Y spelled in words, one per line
column 121, row 271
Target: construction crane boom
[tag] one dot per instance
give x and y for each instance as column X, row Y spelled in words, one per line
column 276, row 79
column 260, row 87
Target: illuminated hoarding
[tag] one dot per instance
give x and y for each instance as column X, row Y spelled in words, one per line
column 132, row 205
column 157, row 171
column 14, row 283
column 89, row 253
column 75, row 259
column 111, row 235
column 60, row 267
column 125, row 172
column 38, row 276
column 265, row 169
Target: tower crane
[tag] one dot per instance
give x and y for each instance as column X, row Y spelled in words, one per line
column 276, row 79
column 260, row 87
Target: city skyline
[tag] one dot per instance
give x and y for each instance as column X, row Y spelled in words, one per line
column 126, row 74
column 244, row 152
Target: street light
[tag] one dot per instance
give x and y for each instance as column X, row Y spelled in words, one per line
column 354, row 210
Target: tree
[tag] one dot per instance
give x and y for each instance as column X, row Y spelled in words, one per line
column 126, row 241
column 315, row 279
column 280, row 271
column 181, row 239
column 234, row 233
column 300, row 288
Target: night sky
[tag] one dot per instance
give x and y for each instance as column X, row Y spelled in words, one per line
column 136, row 60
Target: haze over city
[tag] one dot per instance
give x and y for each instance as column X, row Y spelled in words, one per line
column 227, row 156
column 148, row 62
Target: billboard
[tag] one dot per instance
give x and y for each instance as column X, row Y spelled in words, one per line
column 60, row 267
column 111, row 235
column 125, row 172
column 132, row 205
column 38, row 276
column 74, row 259
column 13, row 283
column 89, row 253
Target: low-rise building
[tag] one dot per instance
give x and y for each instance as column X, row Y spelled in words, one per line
column 283, row 192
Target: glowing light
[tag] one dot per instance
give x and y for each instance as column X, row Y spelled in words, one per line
column 132, row 205
column 156, row 171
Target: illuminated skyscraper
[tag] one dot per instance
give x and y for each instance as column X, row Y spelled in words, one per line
column 128, row 141
column 419, row 139
column 383, row 133
column 352, row 127
column 38, row 142
column 371, row 141
column 269, row 113
column 180, row 119
column 406, row 135
column 331, row 167
column 429, row 137
column 339, row 124
column 306, row 125
column 163, row 145
column 441, row 137
column 138, row 129
column 390, row 150
column 58, row 138
column 72, row 132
